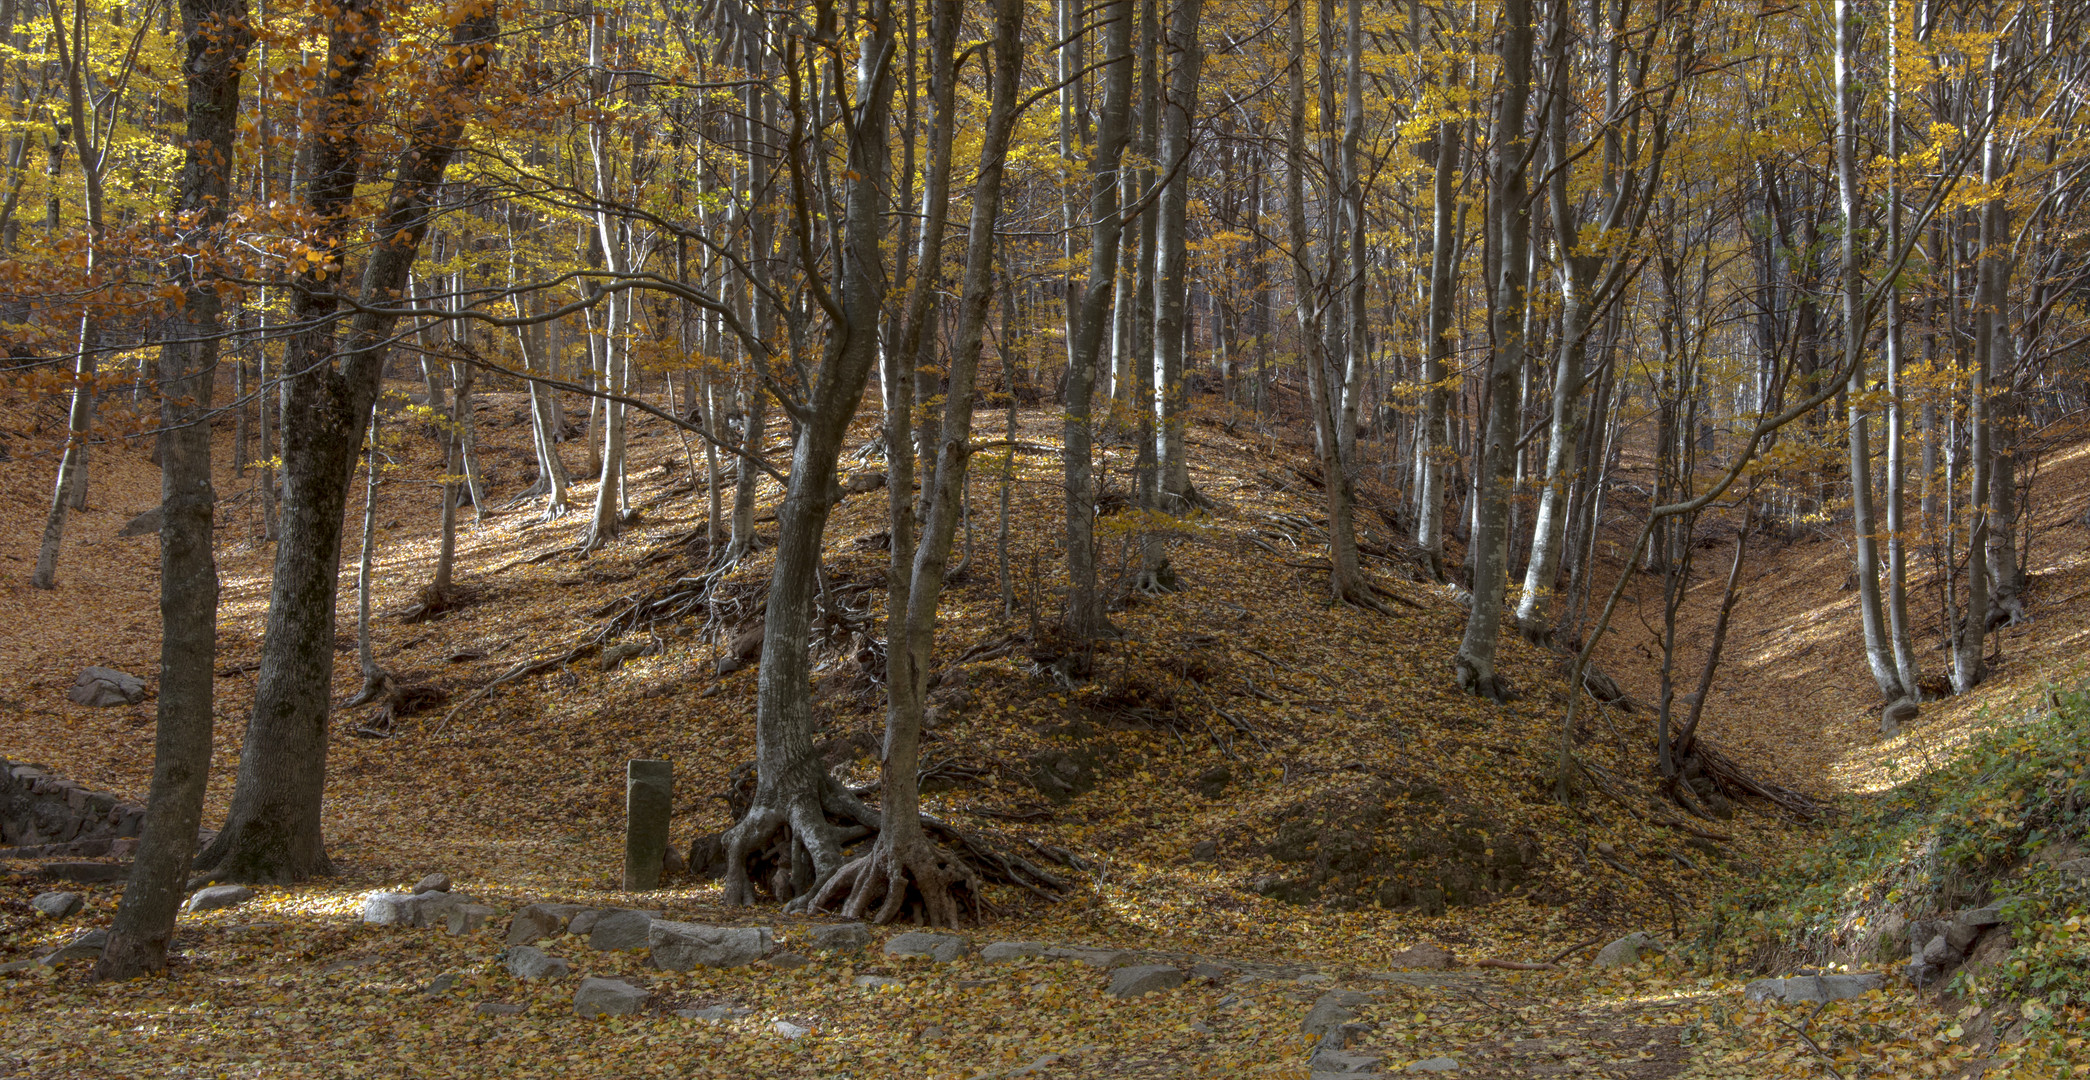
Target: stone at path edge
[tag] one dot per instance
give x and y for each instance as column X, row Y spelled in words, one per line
column 616, row 931
column 1628, row 950
column 608, row 997
column 852, row 937
column 941, row 948
column 680, row 946
column 58, row 905
column 1145, row 978
column 1812, row 988
column 213, row 897
column 530, row 962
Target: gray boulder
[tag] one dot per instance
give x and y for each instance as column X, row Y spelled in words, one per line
column 145, row 524
column 1003, row 951
column 58, row 905
column 877, row 982
column 213, row 897
column 941, row 948
column 536, row 922
column 432, row 883
column 853, row 937
column 680, row 946
column 2075, row 870
column 1986, row 915
column 410, row 909
column 1144, row 979
column 102, row 688
column 608, row 997
column 1332, row 1010
column 531, row 962
column 616, row 931
column 87, row 946
column 468, row 919
column 1628, row 950
column 1434, row 1065
column 1812, row 989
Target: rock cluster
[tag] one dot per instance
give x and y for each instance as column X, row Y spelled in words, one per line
column 42, row 815
column 672, row 945
column 1936, row 946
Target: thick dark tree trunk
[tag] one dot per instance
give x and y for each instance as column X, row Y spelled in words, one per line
column 273, row 832
column 218, row 38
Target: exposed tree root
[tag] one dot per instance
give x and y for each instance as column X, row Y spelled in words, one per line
column 765, row 852
column 789, row 839
column 394, row 700
column 904, row 874
column 1482, row 680
column 432, row 603
column 1155, row 581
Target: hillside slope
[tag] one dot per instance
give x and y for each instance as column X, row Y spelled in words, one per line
column 1248, row 774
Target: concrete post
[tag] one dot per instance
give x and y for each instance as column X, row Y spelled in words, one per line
column 648, row 791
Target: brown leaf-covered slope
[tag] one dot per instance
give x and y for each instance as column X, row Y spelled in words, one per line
column 1321, row 751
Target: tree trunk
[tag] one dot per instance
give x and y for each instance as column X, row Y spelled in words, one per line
column 1512, row 228
column 217, row 38
column 366, row 655
column 793, row 791
column 273, row 830
column 1084, row 606
column 1897, row 603
column 1433, row 443
column 1879, row 648
column 1172, row 260
column 453, row 483
column 904, row 868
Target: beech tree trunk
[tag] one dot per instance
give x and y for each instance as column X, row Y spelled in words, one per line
column 1511, row 225
column 1172, row 259
column 905, row 869
column 1084, row 605
column 273, row 831
column 1433, row 441
column 217, row 38
column 1879, row 647
column 793, row 790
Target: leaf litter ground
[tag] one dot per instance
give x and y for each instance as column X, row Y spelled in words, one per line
column 1312, row 712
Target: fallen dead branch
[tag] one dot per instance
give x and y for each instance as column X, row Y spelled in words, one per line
column 527, row 667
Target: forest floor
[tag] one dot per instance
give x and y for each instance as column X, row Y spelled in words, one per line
column 1321, row 751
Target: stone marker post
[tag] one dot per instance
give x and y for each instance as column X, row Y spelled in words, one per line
column 648, row 787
